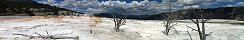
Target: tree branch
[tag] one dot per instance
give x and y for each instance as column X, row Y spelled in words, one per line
column 191, row 28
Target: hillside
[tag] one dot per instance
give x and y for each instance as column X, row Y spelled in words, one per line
column 26, row 8
column 217, row 13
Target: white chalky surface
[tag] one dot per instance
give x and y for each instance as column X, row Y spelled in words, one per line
column 133, row 30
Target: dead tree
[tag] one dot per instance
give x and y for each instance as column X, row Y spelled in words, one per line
column 233, row 12
column 199, row 18
column 235, row 15
column 168, row 19
column 57, row 36
column 189, row 32
column 119, row 19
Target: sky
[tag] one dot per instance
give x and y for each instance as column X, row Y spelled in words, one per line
column 138, row 7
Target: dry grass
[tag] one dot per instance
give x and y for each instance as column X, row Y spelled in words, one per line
column 94, row 21
column 59, row 18
column 15, row 20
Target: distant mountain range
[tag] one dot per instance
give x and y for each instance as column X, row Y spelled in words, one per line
column 26, row 8
column 217, row 13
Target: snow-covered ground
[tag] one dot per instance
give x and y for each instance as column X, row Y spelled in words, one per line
column 133, row 30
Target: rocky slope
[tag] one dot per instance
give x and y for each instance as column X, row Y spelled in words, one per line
column 25, row 8
column 216, row 13
column 213, row 13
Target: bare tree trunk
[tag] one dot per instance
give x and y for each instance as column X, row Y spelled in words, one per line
column 119, row 19
column 49, row 36
column 200, row 17
column 168, row 17
column 189, row 33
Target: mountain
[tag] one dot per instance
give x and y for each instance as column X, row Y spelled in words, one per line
column 109, row 15
column 26, row 8
column 236, row 13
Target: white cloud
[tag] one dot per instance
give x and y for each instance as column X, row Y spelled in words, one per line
column 240, row 3
column 51, row 1
column 135, row 7
column 191, row 1
column 229, row 5
column 193, row 6
column 195, row 2
column 225, row 0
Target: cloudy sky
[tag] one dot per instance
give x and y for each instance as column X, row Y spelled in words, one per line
column 138, row 6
